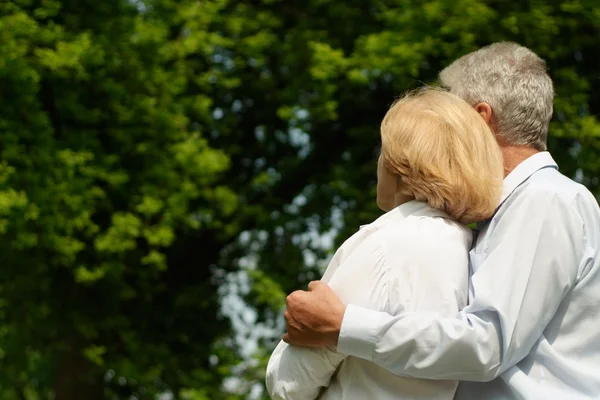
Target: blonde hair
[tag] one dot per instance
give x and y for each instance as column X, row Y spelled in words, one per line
column 444, row 153
column 513, row 80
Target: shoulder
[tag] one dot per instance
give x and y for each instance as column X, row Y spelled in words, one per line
column 423, row 238
column 417, row 229
column 548, row 194
column 427, row 264
column 548, row 211
column 551, row 187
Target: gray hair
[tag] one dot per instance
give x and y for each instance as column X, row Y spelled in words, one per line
column 513, row 80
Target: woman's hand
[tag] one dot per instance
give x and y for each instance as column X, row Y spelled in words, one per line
column 314, row 317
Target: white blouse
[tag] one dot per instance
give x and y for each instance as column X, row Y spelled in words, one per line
column 413, row 258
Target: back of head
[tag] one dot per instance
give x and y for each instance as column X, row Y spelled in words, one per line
column 513, row 80
column 444, row 153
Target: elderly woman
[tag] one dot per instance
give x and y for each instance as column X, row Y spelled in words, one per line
column 439, row 168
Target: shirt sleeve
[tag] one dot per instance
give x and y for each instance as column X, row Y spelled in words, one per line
column 531, row 263
column 298, row 373
column 295, row 373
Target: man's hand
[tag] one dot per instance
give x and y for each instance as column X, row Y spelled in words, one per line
column 313, row 318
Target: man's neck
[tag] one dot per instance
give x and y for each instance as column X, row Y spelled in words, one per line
column 515, row 155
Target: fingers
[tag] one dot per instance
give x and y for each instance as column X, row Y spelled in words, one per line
column 299, row 308
column 291, row 299
column 290, row 336
column 289, row 321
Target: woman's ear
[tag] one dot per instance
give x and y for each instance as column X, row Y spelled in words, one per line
column 399, row 183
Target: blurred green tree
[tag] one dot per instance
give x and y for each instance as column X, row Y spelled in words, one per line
column 112, row 203
column 333, row 72
column 157, row 154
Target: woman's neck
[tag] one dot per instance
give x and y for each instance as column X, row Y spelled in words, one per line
column 401, row 198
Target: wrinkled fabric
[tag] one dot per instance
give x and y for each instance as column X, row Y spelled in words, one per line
column 411, row 259
column 531, row 330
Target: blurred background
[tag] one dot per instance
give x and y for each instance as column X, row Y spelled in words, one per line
column 169, row 170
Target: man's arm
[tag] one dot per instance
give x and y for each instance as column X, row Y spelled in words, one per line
column 532, row 262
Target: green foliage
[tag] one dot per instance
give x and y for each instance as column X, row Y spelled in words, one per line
column 107, row 178
column 150, row 150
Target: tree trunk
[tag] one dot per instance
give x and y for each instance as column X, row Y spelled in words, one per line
column 77, row 380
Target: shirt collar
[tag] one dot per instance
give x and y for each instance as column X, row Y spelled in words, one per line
column 524, row 170
column 516, row 177
column 402, row 211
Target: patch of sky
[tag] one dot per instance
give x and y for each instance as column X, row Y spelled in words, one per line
column 575, row 150
column 141, row 6
column 236, row 106
column 259, row 133
column 218, row 113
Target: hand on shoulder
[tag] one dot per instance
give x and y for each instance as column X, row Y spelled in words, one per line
column 314, row 317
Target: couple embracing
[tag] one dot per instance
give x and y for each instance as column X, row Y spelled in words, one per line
column 417, row 306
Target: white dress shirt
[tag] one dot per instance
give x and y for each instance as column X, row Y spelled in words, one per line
column 411, row 259
column 532, row 328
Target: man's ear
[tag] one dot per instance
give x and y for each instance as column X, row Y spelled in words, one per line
column 485, row 110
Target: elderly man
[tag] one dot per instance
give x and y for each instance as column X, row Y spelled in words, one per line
column 532, row 326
